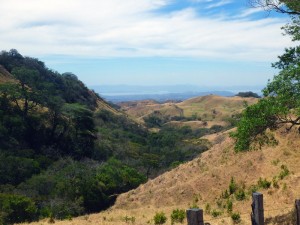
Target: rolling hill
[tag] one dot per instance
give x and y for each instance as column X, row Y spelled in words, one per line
column 204, row 111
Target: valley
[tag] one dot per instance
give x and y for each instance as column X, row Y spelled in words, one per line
column 81, row 160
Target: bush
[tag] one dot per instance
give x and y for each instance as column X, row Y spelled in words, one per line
column 236, row 218
column 207, row 208
column 275, row 182
column 264, row 183
column 160, row 218
column 178, row 215
column 284, row 172
column 240, row 194
column 232, row 186
column 216, row 213
column 229, row 206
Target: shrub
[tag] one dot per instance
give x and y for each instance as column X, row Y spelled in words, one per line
column 160, row 218
column 232, row 186
column 236, row 218
column 284, row 172
column 240, row 194
column 178, row 215
column 207, row 208
column 275, row 182
column 216, row 213
column 229, row 206
column 264, row 183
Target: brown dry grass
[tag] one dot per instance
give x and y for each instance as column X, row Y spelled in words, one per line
column 205, row 178
column 5, row 76
column 212, row 107
column 196, row 124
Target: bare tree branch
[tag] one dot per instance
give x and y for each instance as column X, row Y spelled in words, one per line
column 291, row 7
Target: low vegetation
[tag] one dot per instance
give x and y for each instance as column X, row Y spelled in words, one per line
column 177, row 216
column 159, row 218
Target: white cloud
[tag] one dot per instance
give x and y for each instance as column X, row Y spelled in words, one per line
column 218, row 4
column 249, row 12
column 117, row 28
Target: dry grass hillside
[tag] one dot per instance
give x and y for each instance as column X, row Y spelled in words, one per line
column 207, row 110
column 212, row 107
column 203, row 180
column 141, row 109
column 5, row 76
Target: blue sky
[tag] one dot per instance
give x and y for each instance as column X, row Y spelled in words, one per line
column 147, row 42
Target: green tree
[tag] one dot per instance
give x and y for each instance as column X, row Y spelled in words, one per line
column 281, row 104
column 25, row 91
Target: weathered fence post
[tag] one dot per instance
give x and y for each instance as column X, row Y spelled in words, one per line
column 257, row 215
column 297, row 205
column 195, row 216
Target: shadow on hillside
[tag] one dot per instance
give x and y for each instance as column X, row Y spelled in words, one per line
column 285, row 219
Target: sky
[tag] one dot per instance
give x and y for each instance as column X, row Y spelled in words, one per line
column 147, row 42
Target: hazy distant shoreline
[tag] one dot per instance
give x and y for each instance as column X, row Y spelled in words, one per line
column 120, row 93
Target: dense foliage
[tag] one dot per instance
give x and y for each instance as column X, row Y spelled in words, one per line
column 281, row 104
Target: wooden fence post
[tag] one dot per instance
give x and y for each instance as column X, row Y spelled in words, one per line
column 297, row 205
column 195, row 216
column 257, row 215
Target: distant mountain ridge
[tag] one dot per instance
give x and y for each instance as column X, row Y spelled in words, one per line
column 161, row 93
column 163, row 97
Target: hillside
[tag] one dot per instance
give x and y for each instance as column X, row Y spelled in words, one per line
column 65, row 152
column 203, row 180
column 57, row 136
column 210, row 110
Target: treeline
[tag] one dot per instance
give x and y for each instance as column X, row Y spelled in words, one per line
column 61, row 156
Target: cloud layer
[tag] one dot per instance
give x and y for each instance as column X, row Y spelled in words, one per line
column 137, row 28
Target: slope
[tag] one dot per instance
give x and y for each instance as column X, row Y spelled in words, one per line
column 204, row 180
column 5, row 76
